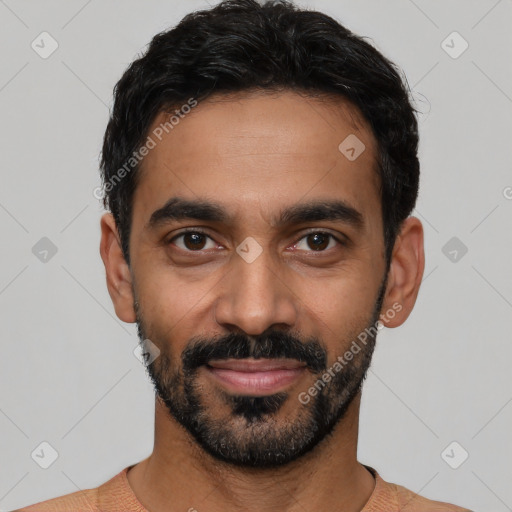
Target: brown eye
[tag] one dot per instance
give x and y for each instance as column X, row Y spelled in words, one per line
column 317, row 241
column 194, row 241
column 191, row 241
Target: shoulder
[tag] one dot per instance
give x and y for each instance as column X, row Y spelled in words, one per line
column 409, row 501
column 392, row 497
column 80, row 501
column 99, row 499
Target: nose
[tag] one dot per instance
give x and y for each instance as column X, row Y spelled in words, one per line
column 254, row 297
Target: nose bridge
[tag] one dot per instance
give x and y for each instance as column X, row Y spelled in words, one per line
column 252, row 295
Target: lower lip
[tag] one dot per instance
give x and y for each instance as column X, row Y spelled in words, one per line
column 256, row 383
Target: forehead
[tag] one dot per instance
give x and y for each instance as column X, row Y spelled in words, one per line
column 260, row 150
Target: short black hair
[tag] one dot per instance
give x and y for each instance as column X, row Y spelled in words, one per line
column 244, row 45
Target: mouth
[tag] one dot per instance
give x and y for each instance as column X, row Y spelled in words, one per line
column 255, row 377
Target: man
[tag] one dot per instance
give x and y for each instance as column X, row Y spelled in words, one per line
column 260, row 166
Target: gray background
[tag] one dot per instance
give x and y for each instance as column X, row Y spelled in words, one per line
column 68, row 373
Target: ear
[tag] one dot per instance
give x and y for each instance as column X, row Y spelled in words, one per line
column 405, row 273
column 119, row 279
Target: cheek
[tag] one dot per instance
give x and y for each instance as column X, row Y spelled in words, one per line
column 341, row 296
column 339, row 309
column 171, row 305
column 159, row 286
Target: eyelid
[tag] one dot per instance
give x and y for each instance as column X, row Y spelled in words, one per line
column 339, row 237
column 185, row 231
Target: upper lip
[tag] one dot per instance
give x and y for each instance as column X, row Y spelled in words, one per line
column 256, row 365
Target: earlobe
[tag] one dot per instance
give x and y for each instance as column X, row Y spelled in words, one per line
column 118, row 275
column 405, row 273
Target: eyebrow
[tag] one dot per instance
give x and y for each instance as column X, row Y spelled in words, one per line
column 179, row 208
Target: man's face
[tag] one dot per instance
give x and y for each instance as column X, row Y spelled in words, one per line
column 252, row 301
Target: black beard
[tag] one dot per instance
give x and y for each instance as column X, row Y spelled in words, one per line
column 251, row 436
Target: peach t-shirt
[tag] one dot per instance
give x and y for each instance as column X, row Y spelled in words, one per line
column 116, row 495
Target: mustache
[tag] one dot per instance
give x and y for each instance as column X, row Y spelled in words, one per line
column 273, row 345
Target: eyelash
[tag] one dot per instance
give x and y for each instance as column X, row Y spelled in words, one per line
column 201, row 232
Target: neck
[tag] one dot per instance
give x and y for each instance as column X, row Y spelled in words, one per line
column 179, row 475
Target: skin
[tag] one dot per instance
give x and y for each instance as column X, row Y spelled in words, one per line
column 255, row 154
